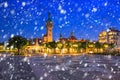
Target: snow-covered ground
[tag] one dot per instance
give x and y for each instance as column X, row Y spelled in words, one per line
column 82, row 67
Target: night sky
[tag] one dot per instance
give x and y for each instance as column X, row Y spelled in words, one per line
column 86, row 18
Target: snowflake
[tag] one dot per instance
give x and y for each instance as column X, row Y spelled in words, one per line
column 45, row 55
column 62, row 11
column 18, row 1
column 57, row 67
column 91, row 26
column 106, row 3
column 85, row 75
column 25, row 59
column 87, row 15
column 79, row 9
column 41, row 27
column 36, row 23
column 23, row 4
column 94, row 9
column 5, row 36
column 63, row 69
column 12, row 11
column 2, row 30
column 35, row 28
column 110, row 76
column 45, row 74
column 85, row 65
column 119, row 19
column 5, row 4
column 21, row 22
column 41, row 78
column 60, row 26
column 60, row 7
column 55, row 57
column 12, row 35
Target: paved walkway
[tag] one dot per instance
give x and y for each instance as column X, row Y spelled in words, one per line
column 15, row 68
column 82, row 67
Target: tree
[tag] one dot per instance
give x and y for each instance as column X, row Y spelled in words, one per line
column 111, row 45
column 79, row 47
column 84, row 45
column 68, row 46
column 52, row 45
column 98, row 46
column 60, row 46
column 18, row 42
column 2, row 43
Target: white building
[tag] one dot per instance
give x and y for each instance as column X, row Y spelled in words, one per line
column 118, row 42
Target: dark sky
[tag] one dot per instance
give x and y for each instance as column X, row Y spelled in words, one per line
column 86, row 18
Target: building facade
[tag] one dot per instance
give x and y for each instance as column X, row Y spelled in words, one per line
column 103, row 37
column 109, row 36
column 118, row 42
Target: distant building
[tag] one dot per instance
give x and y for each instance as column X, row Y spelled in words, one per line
column 72, row 38
column 109, row 36
column 35, row 41
column 103, row 37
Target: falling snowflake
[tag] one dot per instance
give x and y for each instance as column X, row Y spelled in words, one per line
column 5, row 4
column 94, row 9
column 12, row 35
column 106, row 3
column 62, row 11
column 42, row 27
column 12, row 12
column 87, row 15
column 23, row 4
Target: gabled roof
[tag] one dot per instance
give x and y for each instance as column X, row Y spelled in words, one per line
column 72, row 38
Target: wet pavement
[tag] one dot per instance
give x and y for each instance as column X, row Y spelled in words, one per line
column 82, row 67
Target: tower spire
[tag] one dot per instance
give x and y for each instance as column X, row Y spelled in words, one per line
column 49, row 17
column 72, row 33
column 60, row 35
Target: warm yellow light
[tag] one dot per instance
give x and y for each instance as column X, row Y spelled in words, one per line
column 106, row 46
column 90, row 51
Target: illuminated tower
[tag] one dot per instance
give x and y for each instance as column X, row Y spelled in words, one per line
column 49, row 26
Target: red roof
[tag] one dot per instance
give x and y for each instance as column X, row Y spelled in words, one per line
column 72, row 38
column 65, row 39
column 44, row 35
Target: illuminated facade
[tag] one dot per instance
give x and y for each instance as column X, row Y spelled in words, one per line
column 109, row 36
column 103, row 37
